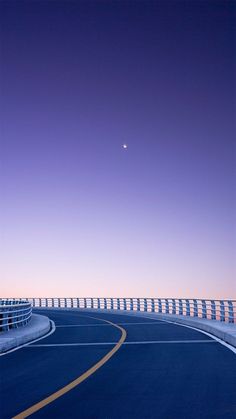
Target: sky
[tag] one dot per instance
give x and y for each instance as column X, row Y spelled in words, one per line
column 80, row 214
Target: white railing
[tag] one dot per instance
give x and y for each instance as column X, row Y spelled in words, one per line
column 14, row 313
column 222, row 310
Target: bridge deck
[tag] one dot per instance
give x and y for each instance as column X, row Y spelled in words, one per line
column 161, row 371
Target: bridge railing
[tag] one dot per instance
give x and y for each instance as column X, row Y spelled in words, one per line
column 222, row 310
column 14, row 313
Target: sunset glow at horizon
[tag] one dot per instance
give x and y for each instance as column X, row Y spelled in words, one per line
column 118, row 150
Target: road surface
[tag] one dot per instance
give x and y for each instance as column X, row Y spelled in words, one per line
column 160, row 371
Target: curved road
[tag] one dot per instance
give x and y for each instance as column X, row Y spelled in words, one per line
column 134, row 368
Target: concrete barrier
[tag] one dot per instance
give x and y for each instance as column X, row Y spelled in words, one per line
column 37, row 327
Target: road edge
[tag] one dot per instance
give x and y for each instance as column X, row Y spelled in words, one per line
column 37, row 327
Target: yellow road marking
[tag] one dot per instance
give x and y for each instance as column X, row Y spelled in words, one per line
column 78, row 380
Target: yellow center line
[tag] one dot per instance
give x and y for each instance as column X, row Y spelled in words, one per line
column 78, row 380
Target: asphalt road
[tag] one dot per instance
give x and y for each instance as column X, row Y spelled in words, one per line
column 161, row 371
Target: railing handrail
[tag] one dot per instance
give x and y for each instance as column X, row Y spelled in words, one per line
column 13, row 317
column 131, row 298
column 222, row 310
column 14, row 313
column 16, row 304
column 10, row 311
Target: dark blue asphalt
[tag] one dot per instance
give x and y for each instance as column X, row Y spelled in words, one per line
column 161, row 381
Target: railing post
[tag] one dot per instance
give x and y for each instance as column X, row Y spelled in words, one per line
column 204, row 309
column 213, row 310
column 138, row 304
column 222, row 311
column 195, row 308
column 159, row 305
column 230, row 312
column 15, row 325
column 180, row 307
column 131, row 304
column 187, row 308
column 152, row 305
column 145, row 304
column 112, row 303
column 5, row 326
column 167, row 305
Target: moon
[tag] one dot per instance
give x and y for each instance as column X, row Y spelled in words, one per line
column 124, row 146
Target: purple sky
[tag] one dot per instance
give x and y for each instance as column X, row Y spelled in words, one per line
column 80, row 215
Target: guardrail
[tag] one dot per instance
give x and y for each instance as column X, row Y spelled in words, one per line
column 222, row 310
column 14, row 313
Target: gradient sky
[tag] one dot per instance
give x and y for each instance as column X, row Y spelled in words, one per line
column 81, row 216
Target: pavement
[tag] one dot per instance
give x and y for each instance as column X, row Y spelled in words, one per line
column 222, row 330
column 100, row 365
column 38, row 326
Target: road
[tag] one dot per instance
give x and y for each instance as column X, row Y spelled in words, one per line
column 161, row 371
